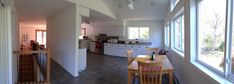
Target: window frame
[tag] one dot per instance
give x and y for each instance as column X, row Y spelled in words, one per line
column 227, row 74
column 138, row 27
column 42, row 36
column 198, row 45
column 167, row 34
column 173, row 34
column 230, row 28
column 83, row 31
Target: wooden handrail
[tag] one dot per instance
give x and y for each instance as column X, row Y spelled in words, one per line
column 31, row 52
column 41, row 58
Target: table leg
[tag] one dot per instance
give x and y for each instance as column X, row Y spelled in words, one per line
column 171, row 77
column 129, row 77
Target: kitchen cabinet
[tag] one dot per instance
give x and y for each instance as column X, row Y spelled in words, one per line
column 92, row 46
column 115, row 49
column 82, row 59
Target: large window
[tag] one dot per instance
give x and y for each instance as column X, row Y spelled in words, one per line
column 138, row 32
column 167, row 35
column 211, row 33
column 41, row 37
column 232, row 65
column 178, row 34
column 232, row 50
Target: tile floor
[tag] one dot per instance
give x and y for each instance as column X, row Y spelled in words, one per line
column 101, row 69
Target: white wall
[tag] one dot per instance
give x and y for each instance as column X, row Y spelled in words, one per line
column 30, row 31
column 184, row 70
column 62, row 39
column 111, row 28
column 97, row 5
column 9, row 42
column 117, row 28
column 89, row 29
column 15, row 44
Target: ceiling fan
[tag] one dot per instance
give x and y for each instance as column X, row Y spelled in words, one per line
column 130, row 4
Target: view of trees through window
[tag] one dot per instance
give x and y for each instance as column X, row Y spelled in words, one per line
column 179, row 33
column 138, row 33
column 211, row 23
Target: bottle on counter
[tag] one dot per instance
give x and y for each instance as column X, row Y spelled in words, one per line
column 152, row 56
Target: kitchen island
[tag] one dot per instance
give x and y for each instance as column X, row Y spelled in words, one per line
column 120, row 50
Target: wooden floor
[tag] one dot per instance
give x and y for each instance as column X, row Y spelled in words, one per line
column 101, row 69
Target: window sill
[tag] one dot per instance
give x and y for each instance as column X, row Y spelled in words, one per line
column 141, row 39
column 211, row 74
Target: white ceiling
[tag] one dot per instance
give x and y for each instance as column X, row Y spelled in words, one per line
column 97, row 16
column 143, row 10
column 37, row 11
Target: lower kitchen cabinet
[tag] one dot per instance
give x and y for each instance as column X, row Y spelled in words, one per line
column 120, row 50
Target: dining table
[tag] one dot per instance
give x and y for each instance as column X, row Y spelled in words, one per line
column 167, row 67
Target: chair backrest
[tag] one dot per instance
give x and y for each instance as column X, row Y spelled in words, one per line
column 150, row 73
column 150, row 50
column 130, row 56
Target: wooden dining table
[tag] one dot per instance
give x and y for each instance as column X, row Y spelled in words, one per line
column 167, row 67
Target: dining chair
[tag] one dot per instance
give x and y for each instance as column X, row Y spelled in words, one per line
column 150, row 73
column 150, row 50
column 130, row 59
column 130, row 56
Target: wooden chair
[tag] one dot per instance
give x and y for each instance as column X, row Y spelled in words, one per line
column 150, row 50
column 150, row 73
column 130, row 59
column 130, row 56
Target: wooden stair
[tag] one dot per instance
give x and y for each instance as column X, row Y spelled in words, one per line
column 26, row 72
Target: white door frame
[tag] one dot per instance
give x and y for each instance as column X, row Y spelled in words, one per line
column 5, row 46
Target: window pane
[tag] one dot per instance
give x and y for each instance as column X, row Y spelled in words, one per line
column 133, row 33
column 83, row 31
column 44, row 37
column 233, row 45
column 39, row 37
column 182, row 33
column 178, row 34
column 167, row 35
column 211, row 23
column 144, row 32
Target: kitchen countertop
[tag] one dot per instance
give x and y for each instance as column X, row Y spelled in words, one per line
column 141, row 43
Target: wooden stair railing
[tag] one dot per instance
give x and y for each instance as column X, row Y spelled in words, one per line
column 33, row 67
